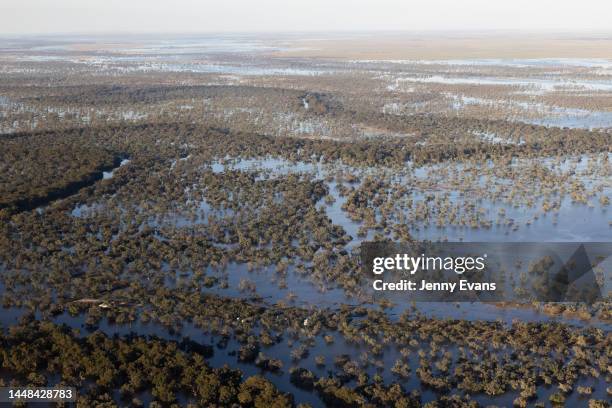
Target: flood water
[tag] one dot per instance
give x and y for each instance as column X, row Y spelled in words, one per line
column 427, row 187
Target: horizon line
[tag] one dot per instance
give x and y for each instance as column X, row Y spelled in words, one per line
column 313, row 31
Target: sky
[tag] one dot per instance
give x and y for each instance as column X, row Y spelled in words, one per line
column 186, row 16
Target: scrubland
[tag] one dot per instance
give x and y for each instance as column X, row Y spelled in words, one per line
column 185, row 229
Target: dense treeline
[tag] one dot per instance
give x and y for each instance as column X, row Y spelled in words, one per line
column 101, row 95
column 134, row 138
column 38, row 168
column 36, row 353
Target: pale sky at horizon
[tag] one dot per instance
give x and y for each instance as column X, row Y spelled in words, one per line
column 121, row 16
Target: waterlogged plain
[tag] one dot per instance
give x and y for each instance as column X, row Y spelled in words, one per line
column 571, row 221
column 220, row 193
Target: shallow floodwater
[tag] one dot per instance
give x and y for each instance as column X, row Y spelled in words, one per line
column 299, row 290
column 571, row 223
column 578, row 120
column 506, row 62
column 545, row 84
column 109, row 174
column 538, row 113
column 226, row 354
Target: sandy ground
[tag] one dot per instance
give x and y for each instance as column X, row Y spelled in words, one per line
column 381, row 46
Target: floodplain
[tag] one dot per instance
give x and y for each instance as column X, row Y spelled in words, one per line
column 193, row 208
